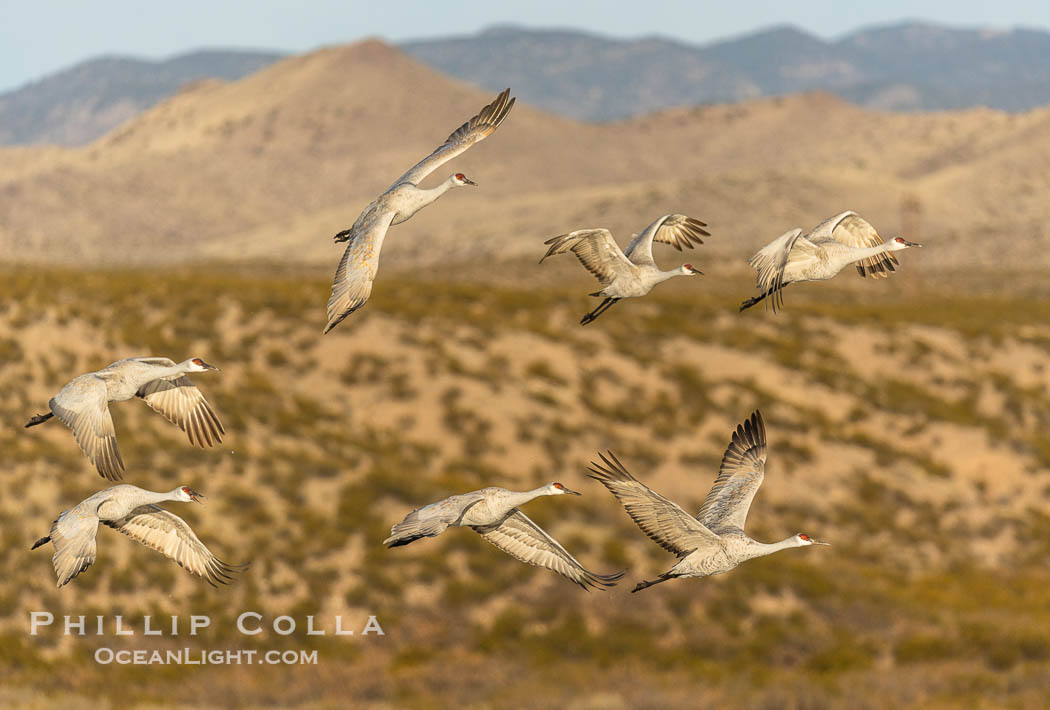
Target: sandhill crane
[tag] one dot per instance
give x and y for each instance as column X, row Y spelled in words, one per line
column 83, row 405
column 833, row 245
column 493, row 513
column 134, row 512
column 632, row 273
column 357, row 269
column 714, row 541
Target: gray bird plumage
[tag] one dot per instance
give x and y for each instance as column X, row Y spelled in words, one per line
column 830, row 247
column 493, row 513
column 357, row 269
column 714, row 541
column 134, row 512
column 631, row 273
column 83, row 405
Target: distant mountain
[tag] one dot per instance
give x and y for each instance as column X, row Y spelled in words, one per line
column 903, row 67
column 265, row 169
column 81, row 103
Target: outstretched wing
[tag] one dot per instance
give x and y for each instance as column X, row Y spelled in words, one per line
column 73, row 536
column 769, row 263
column 524, row 540
column 665, row 522
column 433, row 519
column 739, row 477
column 473, row 131
column 596, row 250
column 169, row 535
column 83, row 406
column 161, row 361
column 357, row 269
column 851, row 229
column 677, row 230
column 182, row 404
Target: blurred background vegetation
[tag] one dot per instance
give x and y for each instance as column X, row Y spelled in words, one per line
column 907, row 426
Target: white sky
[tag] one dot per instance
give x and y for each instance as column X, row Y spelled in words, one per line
column 39, row 37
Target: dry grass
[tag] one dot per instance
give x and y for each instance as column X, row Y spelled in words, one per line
column 921, row 454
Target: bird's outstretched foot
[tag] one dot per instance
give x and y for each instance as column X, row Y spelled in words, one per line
column 39, row 419
column 602, row 308
column 343, row 236
column 750, row 302
column 645, row 585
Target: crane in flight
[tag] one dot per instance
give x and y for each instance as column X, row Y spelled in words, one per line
column 134, row 512
column 714, row 541
column 830, row 247
column 357, row 269
column 631, row 273
column 83, row 405
column 493, row 513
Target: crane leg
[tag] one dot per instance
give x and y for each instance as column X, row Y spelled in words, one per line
column 39, row 419
column 751, row 301
column 602, row 307
column 645, row 585
column 758, row 299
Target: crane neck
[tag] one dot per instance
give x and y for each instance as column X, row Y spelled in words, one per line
column 429, row 195
column 179, row 368
column 173, row 494
column 145, row 497
column 520, row 498
column 864, row 253
column 159, row 372
column 761, row 549
column 662, row 276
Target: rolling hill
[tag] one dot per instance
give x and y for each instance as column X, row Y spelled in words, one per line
column 79, row 104
column 907, row 418
column 267, row 168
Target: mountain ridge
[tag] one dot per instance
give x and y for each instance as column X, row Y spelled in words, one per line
column 268, row 167
column 905, row 66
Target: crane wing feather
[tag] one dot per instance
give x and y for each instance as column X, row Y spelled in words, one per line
column 597, row 251
column 161, row 361
column 678, row 230
column 473, row 131
column 854, row 231
column 432, row 519
column 83, row 406
column 171, row 536
column 739, row 477
column 357, row 269
column 73, row 535
column 182, row 404
column 662, row 520
column 526, row 541
column 769, row 263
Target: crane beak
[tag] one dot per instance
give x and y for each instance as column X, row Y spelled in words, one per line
column 696, row 271
column 570, row 491
column 911, row 244
column 210, row 367
column 195, row 496
column 469, row 181
column 819, row 542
